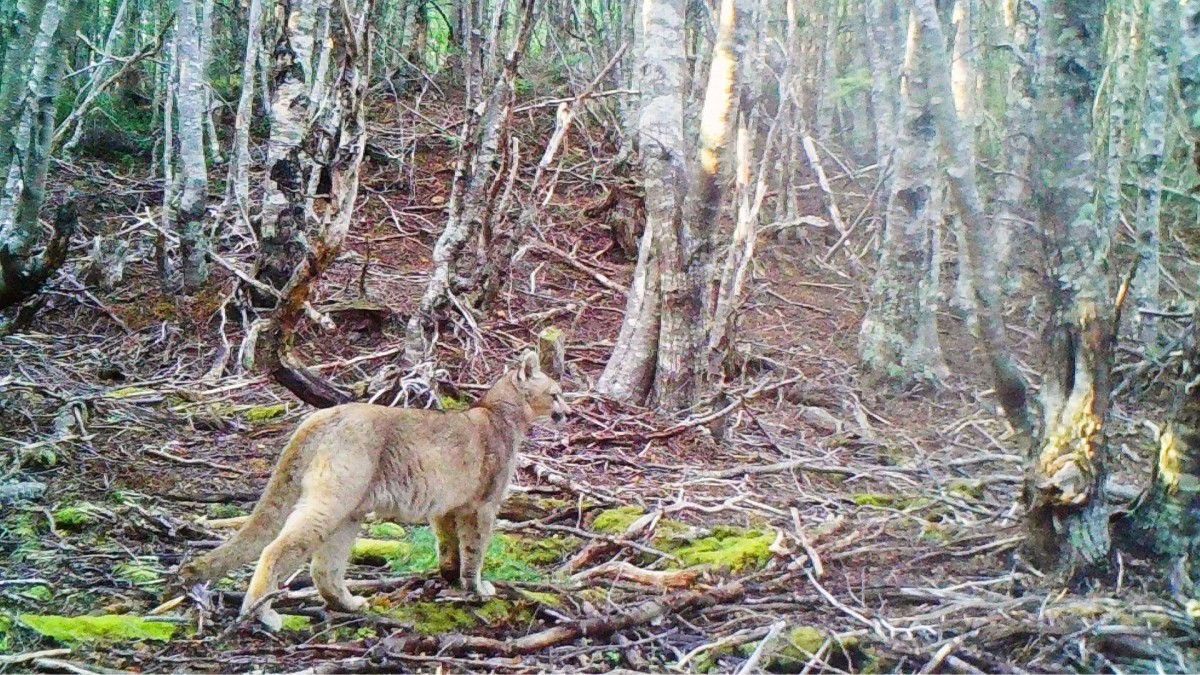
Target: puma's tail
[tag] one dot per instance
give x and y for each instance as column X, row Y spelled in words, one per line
column 264, row 523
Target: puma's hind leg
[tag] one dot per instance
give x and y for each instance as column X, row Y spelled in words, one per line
column 329, row 569
column 474, row 534
column 446, row 530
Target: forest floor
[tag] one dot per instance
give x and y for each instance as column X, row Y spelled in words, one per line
column 818, row 526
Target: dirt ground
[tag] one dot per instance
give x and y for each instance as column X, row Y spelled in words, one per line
column 819, row 526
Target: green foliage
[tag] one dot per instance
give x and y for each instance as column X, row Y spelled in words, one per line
column 106, row 628
column 436, row 618
column 850, row 84
column 452, row 403
column 295, row 623
column 508, row 558
column 386, row 530
column 218, row 511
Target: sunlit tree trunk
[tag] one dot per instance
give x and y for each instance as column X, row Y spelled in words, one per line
column 191, row 108
column 898, row 341
column 1161, row 45
column 962, row 83
column 1013, row 184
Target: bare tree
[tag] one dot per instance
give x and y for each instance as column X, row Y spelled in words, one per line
column 192, row 110
column 30, row 78
column 898, row 340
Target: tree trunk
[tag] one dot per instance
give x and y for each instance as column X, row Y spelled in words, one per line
column 31, row 84
column 1013, row 188
column 630, row 372
column 472, row 196
column 686, row 260
column 1151, row 161
column 334, row 139
column 898, row 341
column 192, row 110
column 237, row 188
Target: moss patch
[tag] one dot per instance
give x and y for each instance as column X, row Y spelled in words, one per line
column 452, row 403
column 107, row 628
column 889, row 501
column 792, row 650
column 139, row 573
column 386, row 530
column 731, row 548
column 435, row 618
column 264, row 413
column 71, row 518
column 295, row 622
column 379, row 551
column 616, row 521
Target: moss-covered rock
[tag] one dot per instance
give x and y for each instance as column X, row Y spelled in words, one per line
column 616, row 521
column 731, row 548
column 106, row 628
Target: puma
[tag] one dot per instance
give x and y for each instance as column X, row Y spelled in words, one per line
column 448, row 468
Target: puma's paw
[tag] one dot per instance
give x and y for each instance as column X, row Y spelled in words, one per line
column 485, row 589
column 271, row 619
column 351, row 603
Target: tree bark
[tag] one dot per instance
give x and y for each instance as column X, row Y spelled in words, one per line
column 630, row 372
column 192, row 112
column 237, row 189
column 1151, row 162
column 31, row 84
column 898, row 341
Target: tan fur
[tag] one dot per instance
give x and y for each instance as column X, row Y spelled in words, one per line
column 448, row 468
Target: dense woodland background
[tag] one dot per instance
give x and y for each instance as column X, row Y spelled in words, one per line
column 877, row 317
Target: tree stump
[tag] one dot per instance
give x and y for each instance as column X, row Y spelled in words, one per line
column 552, row 351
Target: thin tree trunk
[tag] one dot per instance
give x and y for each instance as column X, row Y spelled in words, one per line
column 30, row 111
column 1013, row 189
column 1151, row 161
column 237, row 191
column 193, row 196
column 898, row 341
column 336, row 140
column 284, row 204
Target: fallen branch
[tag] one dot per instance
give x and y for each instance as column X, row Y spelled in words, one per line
column 598, row 627
column 621, row 570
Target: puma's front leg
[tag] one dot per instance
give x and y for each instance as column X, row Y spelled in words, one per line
column 447, row 547
column 474, row 534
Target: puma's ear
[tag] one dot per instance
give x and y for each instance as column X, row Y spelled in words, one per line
column 528, row 367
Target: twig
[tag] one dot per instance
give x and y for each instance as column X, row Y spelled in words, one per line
column 10, row 659
column 752, row 663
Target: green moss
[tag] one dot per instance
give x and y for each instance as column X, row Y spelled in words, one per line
column 139, row 573
column 452, row 403
column 731, row 548
column 5, row 629
column 295, row 622
column 220, row 511
column 545, row 551
column 616, row 521
column 263, row 413
column 796, row 647
column 379, row 551
column 107, row 628
column 889, row 501
column 38, row 593
column 71, row 518
column 541, row 598
column 130, row 392
column 436, row 618
column 966, row 488
column 386, row 530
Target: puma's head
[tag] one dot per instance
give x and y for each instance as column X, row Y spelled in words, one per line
column 542, row 394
